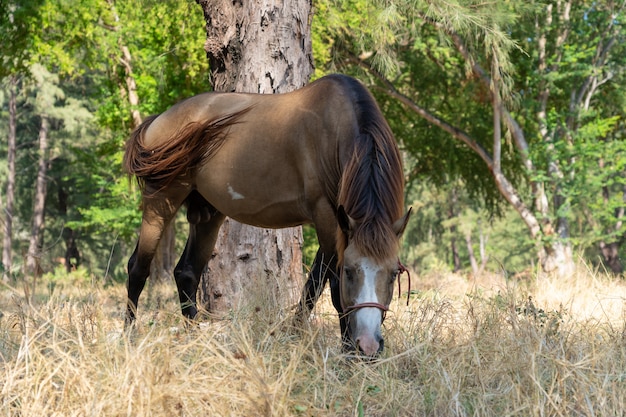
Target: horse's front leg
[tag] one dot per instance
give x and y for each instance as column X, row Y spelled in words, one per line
column 322, row 272
column 335, row 295
column 323, row 267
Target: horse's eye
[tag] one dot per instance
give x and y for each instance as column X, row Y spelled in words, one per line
column 347, row 272
column 394, row 276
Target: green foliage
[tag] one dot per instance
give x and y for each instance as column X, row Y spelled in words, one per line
column 71, row 66
column 16, row 26
column 113, row 211
column 359, row 25
column 443, row 219
column 575, row 154
column 69, row 59
column 60, row 277
column 310, row 245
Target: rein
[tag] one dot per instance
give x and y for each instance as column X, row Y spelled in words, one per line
column 401, row 270
column 384, row 308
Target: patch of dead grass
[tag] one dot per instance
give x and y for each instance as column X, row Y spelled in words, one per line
column 486, row 346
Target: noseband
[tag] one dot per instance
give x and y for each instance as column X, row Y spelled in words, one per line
column 384, row 308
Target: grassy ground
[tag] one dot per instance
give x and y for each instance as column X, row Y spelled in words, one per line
column 464, row 347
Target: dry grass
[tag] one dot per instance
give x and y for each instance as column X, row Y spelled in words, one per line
column 464, row 347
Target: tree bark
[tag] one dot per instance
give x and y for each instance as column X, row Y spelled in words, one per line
column 36, row 235
column 259, row 46
column 10, row 190
column 556, row 255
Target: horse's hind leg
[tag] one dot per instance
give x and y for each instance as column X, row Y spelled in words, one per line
column 158, row 211
column 203, row 232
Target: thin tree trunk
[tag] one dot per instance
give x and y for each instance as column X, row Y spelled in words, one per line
column 162, row 267
column 484, row 258
column 470, row 252
column 557, row 255
column 36, row 235
column 456, row 258
column 259, row 47
column 131, row 87
column 10, row 190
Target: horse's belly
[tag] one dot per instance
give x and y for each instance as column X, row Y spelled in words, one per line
column 261, row 206
column 274, row 218
column 260, row 177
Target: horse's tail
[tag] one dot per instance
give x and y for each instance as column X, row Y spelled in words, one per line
column 134, row 148
column 192, row 145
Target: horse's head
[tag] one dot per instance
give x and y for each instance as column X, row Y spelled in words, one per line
column 367, row 280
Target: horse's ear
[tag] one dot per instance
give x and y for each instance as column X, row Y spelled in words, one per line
column 401, row 223
column 346, row 223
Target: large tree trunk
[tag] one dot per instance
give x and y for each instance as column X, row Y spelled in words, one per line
column 41, row 189
column 10, row 193
column 259, row 47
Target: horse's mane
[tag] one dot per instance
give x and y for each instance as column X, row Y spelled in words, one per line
column 371, row 189
column 192, row 145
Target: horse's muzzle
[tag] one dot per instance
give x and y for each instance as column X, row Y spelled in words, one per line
column 370, row 346
column 368, row 340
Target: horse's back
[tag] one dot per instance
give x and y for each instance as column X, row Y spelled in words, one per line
column 277, row 158
column 320, row 104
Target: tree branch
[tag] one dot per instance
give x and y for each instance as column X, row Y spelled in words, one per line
column 391, row 90
column 507, row 190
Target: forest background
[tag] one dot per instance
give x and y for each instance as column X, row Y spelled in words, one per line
column 510, row 116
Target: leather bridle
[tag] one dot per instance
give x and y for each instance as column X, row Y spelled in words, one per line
column 382, row 307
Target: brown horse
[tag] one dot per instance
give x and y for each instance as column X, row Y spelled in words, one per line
column 323, row 154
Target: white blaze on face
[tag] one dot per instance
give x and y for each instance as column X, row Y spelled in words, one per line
column 368, row 319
